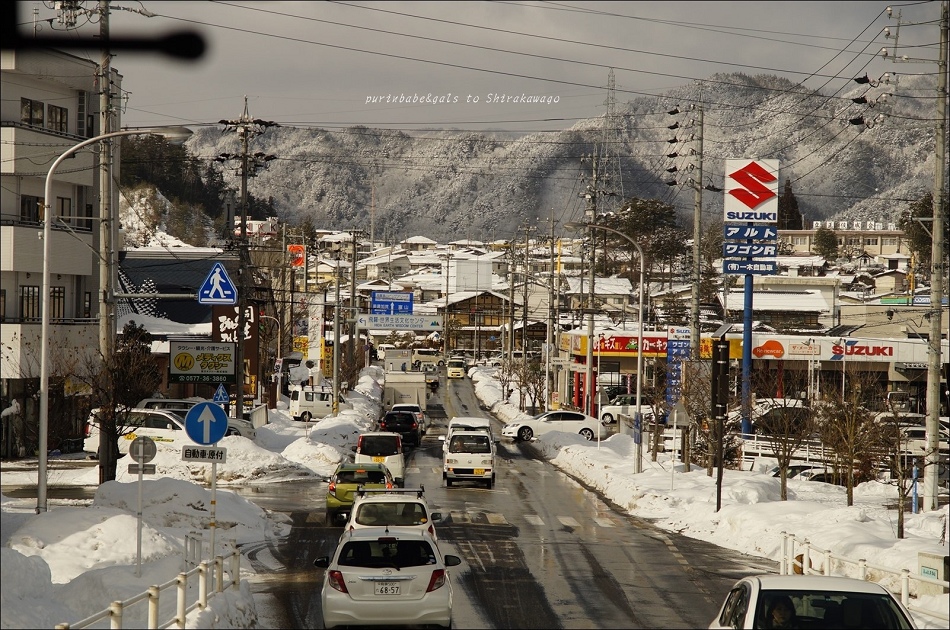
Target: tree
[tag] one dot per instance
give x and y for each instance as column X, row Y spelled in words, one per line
column 789, row 217
column 655, row 227
column 117, row 384
column 786, row 427
column 919, row 240
column 530, row 378
column 825, row 243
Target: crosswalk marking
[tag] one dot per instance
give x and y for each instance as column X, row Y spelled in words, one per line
column 603, row 522
column 496, row 518
column 567, row 521
column 534, row 519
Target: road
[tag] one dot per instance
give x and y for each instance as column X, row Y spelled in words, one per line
column 539, row 550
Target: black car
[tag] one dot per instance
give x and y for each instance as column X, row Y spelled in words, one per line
column 405, row 424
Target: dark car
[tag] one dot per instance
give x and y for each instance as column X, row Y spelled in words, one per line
column 405, row 424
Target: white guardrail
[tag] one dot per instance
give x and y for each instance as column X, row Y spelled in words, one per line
column 799, row 556
column 211, row 578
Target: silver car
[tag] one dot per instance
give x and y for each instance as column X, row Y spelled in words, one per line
column 382, row 577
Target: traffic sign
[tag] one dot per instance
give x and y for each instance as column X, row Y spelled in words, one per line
column 398, row 322
column 143, row 449
column 141, row 469
column 221, row 395
column 206, row 423
column 210, row 454
column 217, row 288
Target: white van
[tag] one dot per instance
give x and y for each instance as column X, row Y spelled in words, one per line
column 382, row 447
column 465, row 423
column 313, row 401
column 469, row 456
column 426, row 355
column 456, row 368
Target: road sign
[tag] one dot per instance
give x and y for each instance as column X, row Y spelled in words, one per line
column 733, row 232
column 143, row 449
column 398, row 322
column 206, row 423
column 751, row 250
column 217, row 288
column 200, row 362
column 221, row 395
column 210, row 454
column 143, row 469
column 391, row 302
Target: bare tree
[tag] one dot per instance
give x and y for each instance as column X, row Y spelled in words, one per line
column 117, row 385
column 788, row 426
column 530, row 378
column 848, row 428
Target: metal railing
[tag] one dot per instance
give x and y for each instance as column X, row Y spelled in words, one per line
column 799, row 556
column 211, row 577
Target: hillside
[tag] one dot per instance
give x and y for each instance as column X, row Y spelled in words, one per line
column 451, row 185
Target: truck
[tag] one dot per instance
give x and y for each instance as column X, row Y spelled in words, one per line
column 405, row 387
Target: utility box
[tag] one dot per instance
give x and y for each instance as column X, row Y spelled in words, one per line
column 935, row 566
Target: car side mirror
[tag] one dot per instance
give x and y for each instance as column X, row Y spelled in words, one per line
column 442, row 438
column 436, row 516
column 323, row 562
column 353, row 448
column 452, row 561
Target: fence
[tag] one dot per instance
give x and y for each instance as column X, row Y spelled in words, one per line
column 217, row 583
column 798, row 555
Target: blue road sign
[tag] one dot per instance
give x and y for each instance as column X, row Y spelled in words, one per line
column 221, row 395
column 217, row 288
column 206, row 423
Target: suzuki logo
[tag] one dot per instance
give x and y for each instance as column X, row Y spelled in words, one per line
column 752, row 178
column 853, row 349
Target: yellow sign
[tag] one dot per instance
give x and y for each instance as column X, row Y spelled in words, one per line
column 184, row 361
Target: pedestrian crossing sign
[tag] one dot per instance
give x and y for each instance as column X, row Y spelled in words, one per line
column 217, row 288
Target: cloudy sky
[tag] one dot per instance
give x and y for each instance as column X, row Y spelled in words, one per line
column 333, row 64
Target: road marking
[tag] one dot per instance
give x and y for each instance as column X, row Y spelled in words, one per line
column 534, row 519
column 496, row 519
column 568, row 521
column 603, row 522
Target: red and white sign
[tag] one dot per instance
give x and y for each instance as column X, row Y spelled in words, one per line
column 298, row 255
column 751, row 194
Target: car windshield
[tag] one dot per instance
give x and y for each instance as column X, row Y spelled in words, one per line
column 386, row 552
column 361, row 476
column 392, row 513
column 832, row 610
column 378, row 445
column 470, row 444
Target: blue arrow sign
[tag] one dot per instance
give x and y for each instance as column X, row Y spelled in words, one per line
column 221, row 395
column 217, row 288
column 206, row 423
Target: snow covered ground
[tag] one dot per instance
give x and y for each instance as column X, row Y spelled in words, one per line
column 73, row 560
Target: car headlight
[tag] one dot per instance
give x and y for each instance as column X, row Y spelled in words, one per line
column 486, row 462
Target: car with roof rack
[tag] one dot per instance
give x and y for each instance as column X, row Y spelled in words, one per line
column 393, row 507
column 347, row 480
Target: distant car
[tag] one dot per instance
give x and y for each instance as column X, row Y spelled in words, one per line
column 405, row 423
column 347, row 479
column 819, row 601
column 421, row 417
column 383, row 577
column 456, row 367
column 626, row 404
column 162, row 425
column 794, row 470
column 570, row 421
column 393, row 507
column 382, row 447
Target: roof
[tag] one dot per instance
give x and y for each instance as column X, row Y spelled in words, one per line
column 824, row 583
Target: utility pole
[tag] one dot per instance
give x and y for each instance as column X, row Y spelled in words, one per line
column 550, row 336
column 246, row 127
column 697, row 234
column 590, row 215
column 107, row 242
column 938, row 262
column 524, row 291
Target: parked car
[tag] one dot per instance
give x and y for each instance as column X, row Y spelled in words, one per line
column 161, row 425
column 570, row 421
column 314, row 401
column 626, row 404
column 347, row 479
column 393, row 507
column 382, row 447
column 794, row 470
column 181, row 406
column 818, row 601
column 383, row 577
column 405, row 423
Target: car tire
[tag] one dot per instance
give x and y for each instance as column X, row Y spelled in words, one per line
column 448, row 483
column 587, row 434
column 607, row 418
column 232, row 431
column 306, row 416
column 331, row 516
column 490, row 483
column 525, row 434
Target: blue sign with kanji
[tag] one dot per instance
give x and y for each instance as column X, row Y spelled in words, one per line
column 750, row 232
column 391, row 303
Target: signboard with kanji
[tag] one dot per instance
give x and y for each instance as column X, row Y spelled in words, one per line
column 200, row 362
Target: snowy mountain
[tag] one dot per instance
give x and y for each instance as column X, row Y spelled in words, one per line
column 451, row 185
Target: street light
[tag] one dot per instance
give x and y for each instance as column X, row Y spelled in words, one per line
column 175, row 134
column 595, row 226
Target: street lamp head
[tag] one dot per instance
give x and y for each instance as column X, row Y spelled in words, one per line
column 176, row 135
column 576, row 225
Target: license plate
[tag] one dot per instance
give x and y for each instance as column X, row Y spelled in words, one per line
column 379, row 460
column 479, row 471
column 386, row 588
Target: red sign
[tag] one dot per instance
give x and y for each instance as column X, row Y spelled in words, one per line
column 298, row 255
column 652, row 346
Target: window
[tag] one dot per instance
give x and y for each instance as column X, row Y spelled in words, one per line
column 31, row 112
column 3, row 305
column 30, row 302
column 799, row 240
column 87, row 304
column 64, row 210
column 57, row 302
column 891, row 241
column 870, row 240
column 30, row 208
column 57, row 118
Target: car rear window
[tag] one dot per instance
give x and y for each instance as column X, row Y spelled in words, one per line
column 387, row 553
column 361, row 476
column 392, row 513
column 378, row 445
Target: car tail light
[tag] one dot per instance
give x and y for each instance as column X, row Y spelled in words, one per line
column 331, row 489
column 431, row 529
column 88, row 428
column 415, row 425
column 335, row 580
column 389, row 485
column 437, row 580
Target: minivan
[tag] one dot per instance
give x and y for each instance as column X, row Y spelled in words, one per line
column 469, row 456
column 382, row 447
column 456, row 368
column 315, row 401
column 426, row 355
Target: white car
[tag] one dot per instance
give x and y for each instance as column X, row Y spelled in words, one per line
column 394, row 507
column 570, row 421
column 382, row 447
column 382, row 577
column 817, row 601
column 181, row 407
